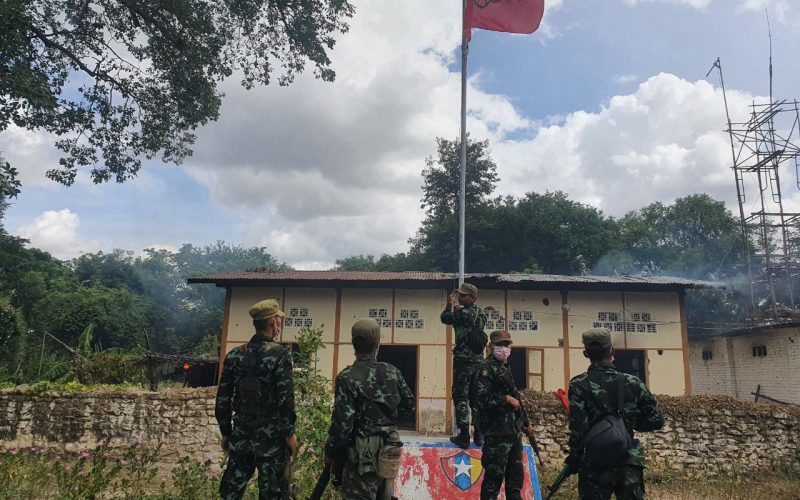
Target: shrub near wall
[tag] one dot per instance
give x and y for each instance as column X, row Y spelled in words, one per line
column 700, row 430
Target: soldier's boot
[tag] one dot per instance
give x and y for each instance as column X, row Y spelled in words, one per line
column 462, row 440
column 477, row 437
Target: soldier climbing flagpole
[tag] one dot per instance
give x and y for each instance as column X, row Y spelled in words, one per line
column 463, row 191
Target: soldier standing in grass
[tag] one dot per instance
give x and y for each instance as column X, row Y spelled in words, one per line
column 257, row 385
column 370, row 398
column 462, row 313
column 500, row 418
column 600, row 394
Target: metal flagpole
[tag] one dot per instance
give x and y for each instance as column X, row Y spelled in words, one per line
column 463, row 193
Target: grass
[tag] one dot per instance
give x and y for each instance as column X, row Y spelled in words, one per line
column 777, row 483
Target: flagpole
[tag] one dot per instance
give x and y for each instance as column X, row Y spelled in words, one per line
column 463, row 193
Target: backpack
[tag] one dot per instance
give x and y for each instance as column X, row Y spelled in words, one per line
column 252, row 396
column 476, row 338
column 608, row 440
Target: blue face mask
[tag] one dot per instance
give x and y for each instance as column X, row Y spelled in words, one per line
column 501, row 353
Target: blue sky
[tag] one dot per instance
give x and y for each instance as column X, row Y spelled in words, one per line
column 607, row 102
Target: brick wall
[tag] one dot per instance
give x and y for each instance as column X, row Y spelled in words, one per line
column 701, row 430
column 735, row 372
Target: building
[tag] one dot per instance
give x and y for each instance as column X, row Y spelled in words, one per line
column 758, row 363
column 546, row 315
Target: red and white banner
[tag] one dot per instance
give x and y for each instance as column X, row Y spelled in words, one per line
column 510, row 16
column 442, row 470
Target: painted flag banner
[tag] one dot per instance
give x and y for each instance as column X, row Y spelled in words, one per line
column 442, row 471
column 510, row 16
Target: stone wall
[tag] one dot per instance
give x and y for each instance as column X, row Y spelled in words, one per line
column 700, row 430
column 183, row 420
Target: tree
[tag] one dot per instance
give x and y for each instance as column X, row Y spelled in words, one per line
column 9, row 187
column 124, row 79
column 113, row 269
column 442, row 177
column 695, row 237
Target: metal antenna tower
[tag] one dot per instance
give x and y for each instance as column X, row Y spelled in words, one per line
column 764, row 147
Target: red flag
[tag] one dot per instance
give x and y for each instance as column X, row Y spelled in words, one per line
column 510, row 16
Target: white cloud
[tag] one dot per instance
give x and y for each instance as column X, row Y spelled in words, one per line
column 31, row 153
column 321, row 162
column 624, row 79
column 659, row 143
column 697, row 4
column 56, row 232
column 784, row 11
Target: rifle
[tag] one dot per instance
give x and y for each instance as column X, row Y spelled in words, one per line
column 562, row 476
column 523, row 415
column 333, row 469
column 289, row 488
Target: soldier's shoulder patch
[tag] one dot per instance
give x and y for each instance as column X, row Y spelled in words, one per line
column 484, row 372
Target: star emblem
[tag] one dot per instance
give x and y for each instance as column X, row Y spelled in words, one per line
column 463, row 467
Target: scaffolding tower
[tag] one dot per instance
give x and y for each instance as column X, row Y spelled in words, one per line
column 764, row 148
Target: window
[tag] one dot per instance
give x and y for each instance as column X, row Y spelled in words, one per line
column 494, row 321
column 298, row 317
column 381, row 315
column 523, row 321
column 759, row 351
column 409, row 320
column 640, row 322
column 708, row 355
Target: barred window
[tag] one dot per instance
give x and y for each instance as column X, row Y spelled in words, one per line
column 708, row 355
column 410, row 320
column 493, row 320
column 381, row 315
column 524, row 321
column 759, row 351
column 298, row 317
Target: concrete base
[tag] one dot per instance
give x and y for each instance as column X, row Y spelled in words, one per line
column 435, row 468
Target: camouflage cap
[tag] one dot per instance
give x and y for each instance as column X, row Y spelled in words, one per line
column 596, row 337
column 500, row 336
column 265, row 309
column 368, row 329
column 467, row 289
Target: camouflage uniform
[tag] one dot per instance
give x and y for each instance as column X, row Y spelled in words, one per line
column 592, row 395
column 465, row 362
column 502, row 449
column 257, row 439
column 370, row 398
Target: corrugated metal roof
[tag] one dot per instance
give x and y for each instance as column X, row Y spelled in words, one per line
column 485, row 278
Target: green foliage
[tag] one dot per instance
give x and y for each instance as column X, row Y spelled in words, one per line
column 122, row 81
column 442, row 177
column 87, row 477
column 193, row 479
column 12, row 325
column 138, row 467
column 313, row 402
column 120, row 317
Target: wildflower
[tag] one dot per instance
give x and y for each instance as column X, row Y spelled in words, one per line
column 59, row 458
column 85, row 454
column 137, row 441
column 100, row 443
column 122, row 461
column 13, row 452
column 82, row 473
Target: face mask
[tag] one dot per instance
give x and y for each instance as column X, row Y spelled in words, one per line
column 501, row 353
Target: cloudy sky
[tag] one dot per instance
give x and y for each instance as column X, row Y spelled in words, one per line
column 608, row 102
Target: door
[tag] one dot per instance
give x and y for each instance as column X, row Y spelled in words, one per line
column 404, row 358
